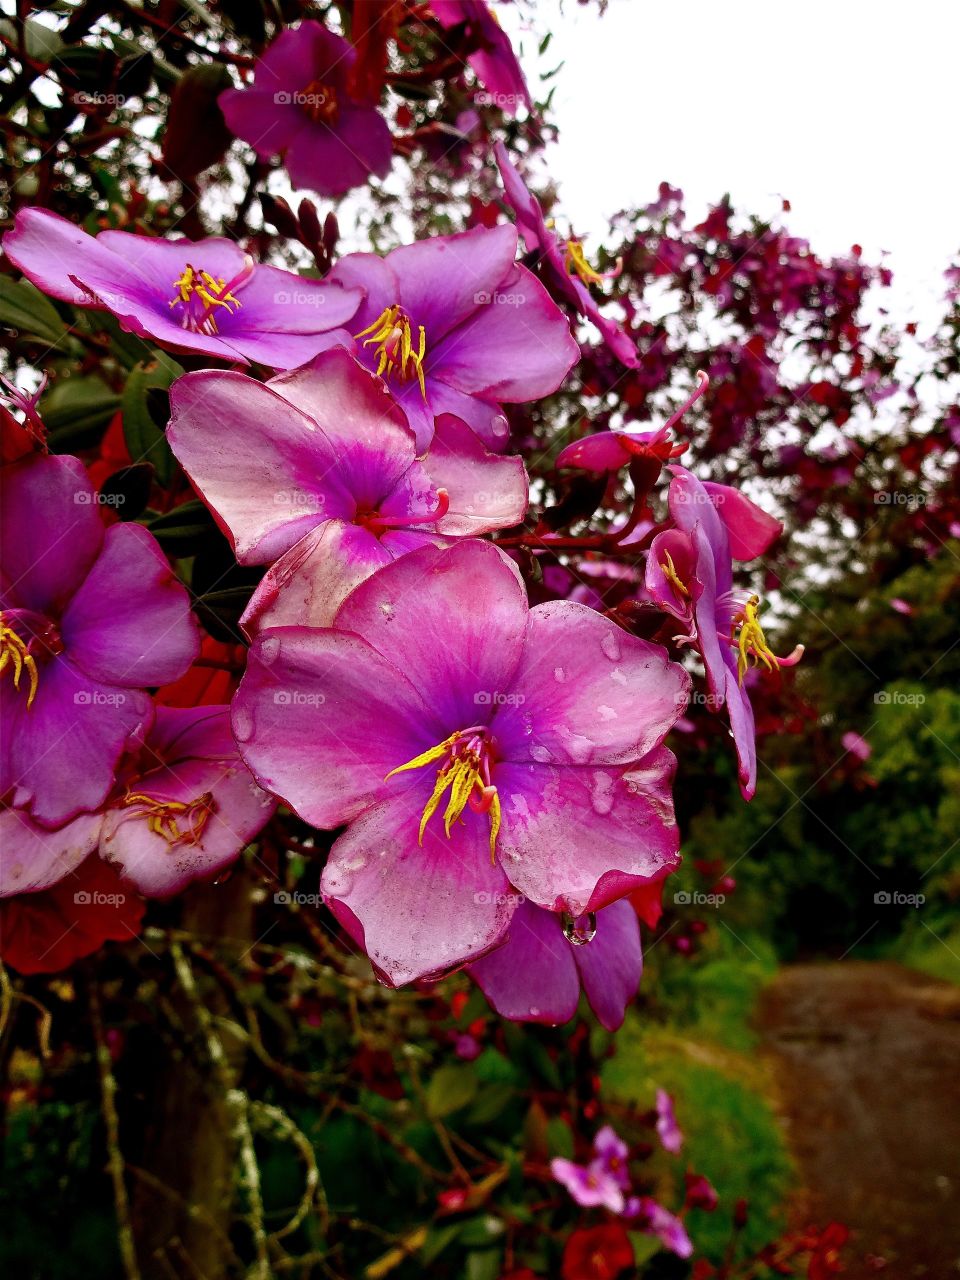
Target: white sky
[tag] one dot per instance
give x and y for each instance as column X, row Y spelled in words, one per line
column 847, row 108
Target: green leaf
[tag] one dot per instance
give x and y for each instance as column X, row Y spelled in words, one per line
column 142, row 430
column 24, row 308
column 483, row 1265
column 451, row 1088
column 77, row 411
column 481, row 1231
column 184, row 529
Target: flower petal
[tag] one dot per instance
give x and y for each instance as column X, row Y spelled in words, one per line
column 516, row 347
column 453, row 619
column 417, row 912
column 322, row 718
column 532, row 977
column 587, row 692
column 611, row 965
column 34, row 857
column 269, row 480
column 130, row 623
column 487, row 492
column 444, row 280
column 576, row 839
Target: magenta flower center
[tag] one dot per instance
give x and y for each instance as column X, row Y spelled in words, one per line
column 200, row 299
column 177, row 821
column 27, row 639
column 465, row 773
column 391, row 336
column 319, row 103
column 378, row 522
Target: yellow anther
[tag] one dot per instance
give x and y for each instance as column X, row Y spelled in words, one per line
column 752, row 643
column 164, row 816
column 212, row 291
column 575, row 260
column 462, row 774
column 671, row 575
column 15, row 654
column 391, row 336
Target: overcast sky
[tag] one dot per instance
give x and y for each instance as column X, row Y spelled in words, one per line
column 847, row 108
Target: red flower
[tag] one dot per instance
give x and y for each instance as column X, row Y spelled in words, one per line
column 825, row 1259
column 44, row 932
column 597, row 1253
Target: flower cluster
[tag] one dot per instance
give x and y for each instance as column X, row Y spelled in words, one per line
column 490, row 753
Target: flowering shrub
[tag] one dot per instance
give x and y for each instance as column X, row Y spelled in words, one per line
column 371, row 590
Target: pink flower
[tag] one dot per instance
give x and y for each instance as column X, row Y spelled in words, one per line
column 91, row 617
column 668, row 1131
column 660, row 1222
column 319, row 473
column 454, row 325
column 300, row 104
column 857, row 745
column 563, row 263
column 604, row 1180
column 469, row 743
column 184, row 807
column 206, row 295
column 492, row 58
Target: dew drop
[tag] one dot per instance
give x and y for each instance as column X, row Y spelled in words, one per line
column 559, row 675
column 242, row 724
column 541, row 754
column 578, row 932
column 610, row 644
column 269, row 650
column 534, row 1011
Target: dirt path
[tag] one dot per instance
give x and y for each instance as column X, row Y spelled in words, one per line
column 867, row 1060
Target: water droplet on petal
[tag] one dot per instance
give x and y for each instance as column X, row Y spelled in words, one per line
column 534, row 1011
column 610, row 644
column 269, row 650
column 541, row 754
column 578, row 932
column 242, row 724
column 559, row 675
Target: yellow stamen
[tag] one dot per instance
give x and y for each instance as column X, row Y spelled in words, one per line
column 391, row 335
column 575, row 260
column 752, row 643
column 164, row 816
column 211, row 290
column 15, row 653
column 462, row 774
column 671, row 575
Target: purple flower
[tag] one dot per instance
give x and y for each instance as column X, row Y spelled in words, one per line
column 604, row 1180
column 537, row 974
column 856, row 745
column 90, row 616
column 454, row 325
column 206, row 295
column 301, row 105
column 469, row 743
column 183, row 808
column 188, row 808
column 668, row 1131
column 493, row 58
column 319, row 473
column 563, row 262
column 689, row 573
column 657, row 1221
